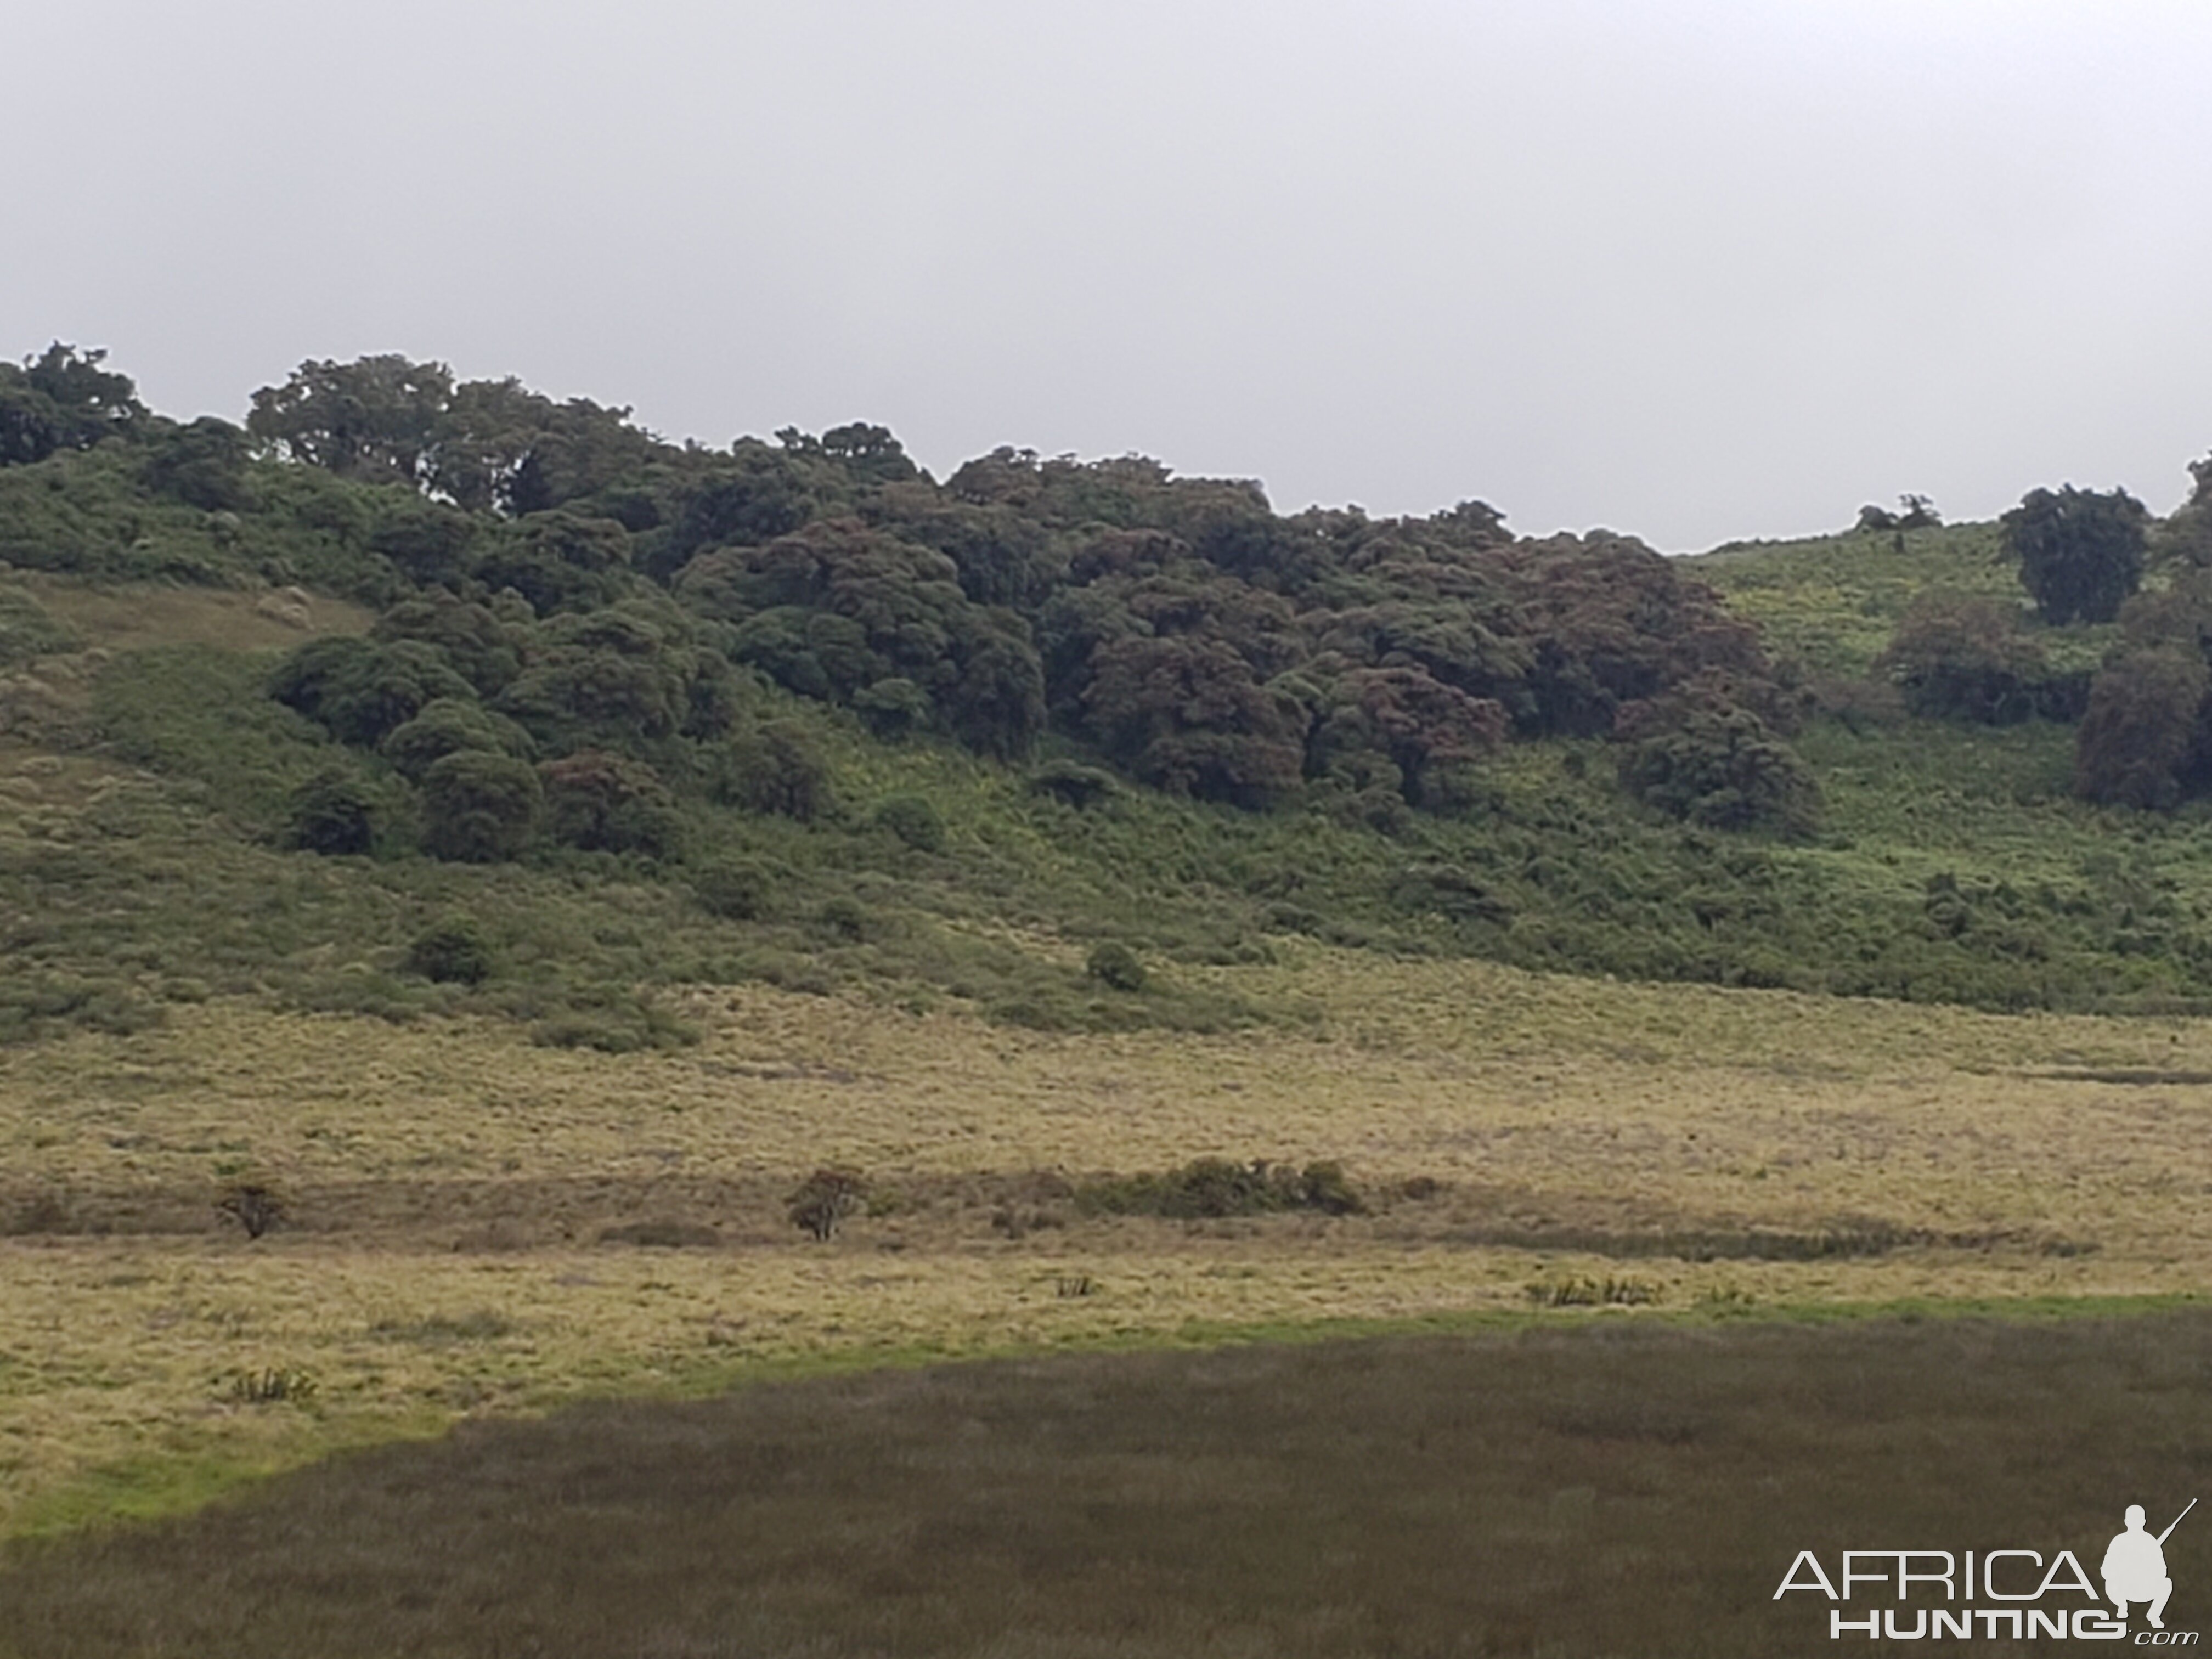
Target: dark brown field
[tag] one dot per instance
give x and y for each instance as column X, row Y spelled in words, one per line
column 1622, row 1488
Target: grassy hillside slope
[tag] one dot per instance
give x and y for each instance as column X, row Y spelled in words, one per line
column 534, row 1105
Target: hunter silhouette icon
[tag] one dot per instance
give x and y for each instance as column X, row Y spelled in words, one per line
column 2134, row 1565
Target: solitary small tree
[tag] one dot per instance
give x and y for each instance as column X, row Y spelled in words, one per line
column 825, row 1199
column 479, row 808
column 253, row 1206
column 2081, row 551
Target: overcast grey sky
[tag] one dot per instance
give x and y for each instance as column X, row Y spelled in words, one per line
column 1694, row 269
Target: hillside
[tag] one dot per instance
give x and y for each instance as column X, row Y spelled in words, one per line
column 505, row 853
column 410, row 698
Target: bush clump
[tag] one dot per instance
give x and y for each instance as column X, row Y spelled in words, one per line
column 479, row 808
column 609, row 802
column 1714, row 763
column 333, row 813
column 27, row 630
column 736, row 890
column 614, row 1025
column 825, row 1199
column 454, row 951
column 1211, row 1187
column 778, row 767
column 913, row 821
column 1114, row 965
column 843, row 917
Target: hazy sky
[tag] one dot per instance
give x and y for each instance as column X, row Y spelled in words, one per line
column 1693, row 269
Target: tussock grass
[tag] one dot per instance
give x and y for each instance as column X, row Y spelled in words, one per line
column 1504, row 1128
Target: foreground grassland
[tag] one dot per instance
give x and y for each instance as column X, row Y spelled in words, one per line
column 477, row 1226
column 1618, row 1490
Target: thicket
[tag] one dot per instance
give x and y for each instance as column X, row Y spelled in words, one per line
column 661, row 714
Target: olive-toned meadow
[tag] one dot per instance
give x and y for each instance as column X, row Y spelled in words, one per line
column 473, row 1224
column 1609, row 1490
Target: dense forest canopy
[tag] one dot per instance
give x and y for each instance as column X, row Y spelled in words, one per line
column 1177, row 628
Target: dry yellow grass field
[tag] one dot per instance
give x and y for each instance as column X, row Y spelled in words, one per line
column 449, row 1189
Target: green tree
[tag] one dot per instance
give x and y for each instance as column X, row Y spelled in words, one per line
column 2141, row 742
column 360, row 690
column 449, row 725
column 2079, row 551
column 332, row 813
column 2145, row 740
column 1699, row 757
column 1186, row 714
column 428, row 542
column 479, row 808
column 609, row 802
column 1960, row 656
column 376, row 419
column 558, row 561
column 203, row 464
column 477, row 642
column 776, row 767
column 499, row 447
column 64, row 400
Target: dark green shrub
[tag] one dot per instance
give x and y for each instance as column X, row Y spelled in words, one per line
column 359, row 689
column 892, row 708
column 1213, row 1188
column 426, row 541
column 1072, row 785
column 913, row 821
column 2143, row 740
column 1710, row 762
column 844, row 917
column 332, row 813
column 736, row 890
column 776, row 767
column 1324, row 1186
column 608, row 803
column 614, row 1023
column 455, row 951
column 1114, row 965
column 2081, row 551
column 1959, row 656
column 479, row 808
column 203, row 464
column 450, row 725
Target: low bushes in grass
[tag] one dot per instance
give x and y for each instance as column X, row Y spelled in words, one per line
column 1213, row 1188
column 1571, row 1292
column 27, row 631
column 1115, row 964
column 825, row 1200
column 452, row 951
column 736, row 890
column 913, row 821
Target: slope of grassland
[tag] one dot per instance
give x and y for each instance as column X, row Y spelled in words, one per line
column 476, row 1224
column 486, row 1214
